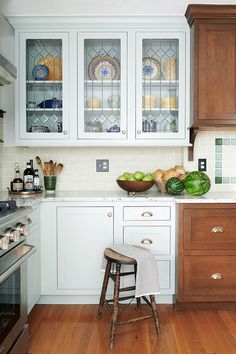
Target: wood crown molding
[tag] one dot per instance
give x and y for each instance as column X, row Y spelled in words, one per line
column 205, row 11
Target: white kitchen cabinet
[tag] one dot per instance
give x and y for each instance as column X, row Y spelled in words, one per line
column 125, row 81
column 83, row 234
column 34, row 262
column 42, row 107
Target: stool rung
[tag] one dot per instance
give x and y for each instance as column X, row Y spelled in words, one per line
column 135, row 320
column 128, row 288
column 122, row 298
column 112, row 275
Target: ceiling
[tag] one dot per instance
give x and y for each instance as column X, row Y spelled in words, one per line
column 78, row 7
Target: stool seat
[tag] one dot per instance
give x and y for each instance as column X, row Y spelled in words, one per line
column 113, row 271
column 115, row 257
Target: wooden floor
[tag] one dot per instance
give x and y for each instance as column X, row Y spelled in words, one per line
column 74, row 329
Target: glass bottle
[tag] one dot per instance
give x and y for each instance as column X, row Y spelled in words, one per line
column 17, row 184
column 28, row 178
column 36, row 180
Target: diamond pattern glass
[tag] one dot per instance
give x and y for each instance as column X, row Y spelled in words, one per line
column 44, row 86
column 160, row 86
column 102, row 85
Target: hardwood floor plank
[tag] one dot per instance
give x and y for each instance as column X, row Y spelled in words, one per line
column 74, row 329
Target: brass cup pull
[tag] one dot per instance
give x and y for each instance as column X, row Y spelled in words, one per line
column 109, row 215
column 146, row 241
column 217, row 276
column 147, row 214
column 217, row 229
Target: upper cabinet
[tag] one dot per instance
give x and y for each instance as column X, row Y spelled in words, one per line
column 102, row 81
column 42, row 104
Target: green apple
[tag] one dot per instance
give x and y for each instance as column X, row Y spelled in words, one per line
column 132, row 178
column 139, row 175
column 127, row 175
column 148, row 177
column 121, row 178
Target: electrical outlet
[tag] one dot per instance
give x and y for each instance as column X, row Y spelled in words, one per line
column 102, row 165
column 202, row 164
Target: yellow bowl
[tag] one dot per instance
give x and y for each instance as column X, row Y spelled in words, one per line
column 135, row 186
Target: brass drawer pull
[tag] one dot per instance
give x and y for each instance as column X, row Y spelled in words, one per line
column 217, row 229
column 217, row 276
column 146, row 241
column 147, row 214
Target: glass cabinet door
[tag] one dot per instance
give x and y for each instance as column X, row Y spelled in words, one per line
column 160, row 98
column 43, row 85
column 102, row 86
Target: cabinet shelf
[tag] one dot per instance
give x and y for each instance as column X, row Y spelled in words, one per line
column 174, row 83
column 160, row 109
column 44, row 82
column 102, row 82
column 43, row 109
column 102, row 109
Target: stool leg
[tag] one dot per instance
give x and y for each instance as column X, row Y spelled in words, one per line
column 104, row 289
column 155, row 313
column 115, row 306
column 135, row 275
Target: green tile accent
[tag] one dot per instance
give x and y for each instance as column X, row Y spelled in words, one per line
column 218, row 148
column 218, row 141
column 218, row 172
column 226, row 180
column 218, row 164
column 218, row 157
column 218, row 180
column 226, row 142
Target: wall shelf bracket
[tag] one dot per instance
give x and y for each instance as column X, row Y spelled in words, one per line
column 193, row 134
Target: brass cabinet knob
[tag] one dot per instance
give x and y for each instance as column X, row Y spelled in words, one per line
column 217, row 229
column 146, row 241
column 217, row 276
column 109, row 215
column 147, row 214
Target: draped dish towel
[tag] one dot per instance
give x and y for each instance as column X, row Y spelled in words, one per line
column 147, row 282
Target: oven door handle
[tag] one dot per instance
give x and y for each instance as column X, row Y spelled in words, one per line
column 21, row 254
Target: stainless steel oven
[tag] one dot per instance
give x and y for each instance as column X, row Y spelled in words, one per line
column 14, row 251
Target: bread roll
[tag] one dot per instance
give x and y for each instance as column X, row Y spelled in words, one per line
column 179, row 169
column 157, row 175
column 170, row 173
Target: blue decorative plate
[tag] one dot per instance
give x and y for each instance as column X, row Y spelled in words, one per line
column 151, row 69
column 40, row 72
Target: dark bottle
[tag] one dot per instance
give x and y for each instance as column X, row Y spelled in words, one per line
column 32, row 164
column 36, row 180
column 17, row 183
column 28, row 178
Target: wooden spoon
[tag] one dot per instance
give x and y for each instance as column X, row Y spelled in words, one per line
column 54, row 168
column 59, row 168
column 39, row 162
column 47, row 168
column 50, row 163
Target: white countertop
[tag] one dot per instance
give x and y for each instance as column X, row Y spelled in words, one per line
column 114, row 196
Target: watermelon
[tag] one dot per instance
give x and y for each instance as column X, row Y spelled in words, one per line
column 197, row 183
column 174, row 186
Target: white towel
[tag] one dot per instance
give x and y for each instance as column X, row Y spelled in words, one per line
column 147, row 276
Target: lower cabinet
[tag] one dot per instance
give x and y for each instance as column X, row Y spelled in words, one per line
column 83, row 234
column 34, row 263
column 206, row 256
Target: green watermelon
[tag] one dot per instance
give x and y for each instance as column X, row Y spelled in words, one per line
column 197, row 183
column 174, row 186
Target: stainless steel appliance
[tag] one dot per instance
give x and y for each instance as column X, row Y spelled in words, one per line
column 14, row 251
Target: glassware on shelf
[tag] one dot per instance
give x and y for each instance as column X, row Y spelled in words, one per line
column 114, row 101
column 94, row 102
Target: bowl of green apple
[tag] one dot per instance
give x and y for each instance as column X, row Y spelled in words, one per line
column 135, row 182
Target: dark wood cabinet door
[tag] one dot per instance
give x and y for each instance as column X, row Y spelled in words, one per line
column 215, row 74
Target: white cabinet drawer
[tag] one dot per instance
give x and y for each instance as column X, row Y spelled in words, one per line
column 147, row 213
column 155, row 238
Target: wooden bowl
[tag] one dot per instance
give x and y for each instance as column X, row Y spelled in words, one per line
column 135, row 186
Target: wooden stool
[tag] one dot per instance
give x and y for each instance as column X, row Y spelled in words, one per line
column 114, row 261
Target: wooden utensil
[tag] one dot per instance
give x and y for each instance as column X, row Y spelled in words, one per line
column 51, row 167
column 59, row 168
column 39, row 162
column 47, row 168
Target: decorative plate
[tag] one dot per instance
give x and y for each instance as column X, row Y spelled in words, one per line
column 151, row 69
column 54, row 65
column 40, row 72
column 104, row 68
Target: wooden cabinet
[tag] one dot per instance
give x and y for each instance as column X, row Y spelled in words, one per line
column 213, row 36
column 34, row 262
column 206, row 255
column 124, row 81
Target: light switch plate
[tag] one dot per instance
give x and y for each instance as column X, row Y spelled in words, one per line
column 102, row 165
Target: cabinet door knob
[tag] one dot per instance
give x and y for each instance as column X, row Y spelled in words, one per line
column 109, row 215
column 217, row 276
column 138, row 131
column 124, row 132
column 146, row 241
column 147, row 214
column 65, row 132
column 217, row 229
